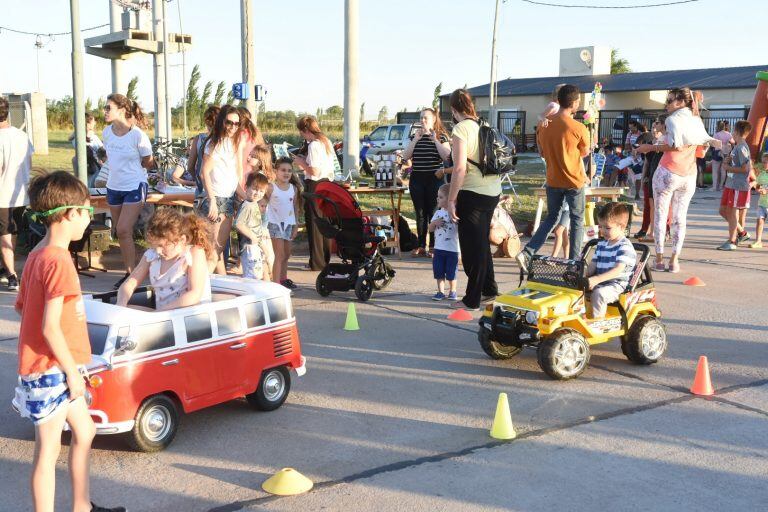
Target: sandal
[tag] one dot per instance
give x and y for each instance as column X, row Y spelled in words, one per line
column 419, row 251
column 659, row 266
column 673, row 268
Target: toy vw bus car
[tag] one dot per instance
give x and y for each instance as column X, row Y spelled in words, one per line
column 149, row 366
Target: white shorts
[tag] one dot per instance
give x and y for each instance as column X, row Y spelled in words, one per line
column 252, row 261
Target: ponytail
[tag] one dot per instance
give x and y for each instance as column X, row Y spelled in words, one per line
column 137, row 115
column 132, row 109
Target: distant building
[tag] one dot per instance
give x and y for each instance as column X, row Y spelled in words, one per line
column 728, row 93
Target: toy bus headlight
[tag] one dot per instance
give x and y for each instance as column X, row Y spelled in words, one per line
column 88, row 397
column 532, row 317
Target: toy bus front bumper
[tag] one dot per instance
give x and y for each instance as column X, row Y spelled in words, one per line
column 104, row 426
column 508, row 327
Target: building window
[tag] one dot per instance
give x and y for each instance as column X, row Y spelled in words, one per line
column 254, row 314
column 198, row 327
column 228, row 320
column 154, row 336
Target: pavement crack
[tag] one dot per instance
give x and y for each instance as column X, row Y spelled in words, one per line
column 411, row 463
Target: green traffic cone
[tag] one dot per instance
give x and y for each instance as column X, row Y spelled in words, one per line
column 351, row 322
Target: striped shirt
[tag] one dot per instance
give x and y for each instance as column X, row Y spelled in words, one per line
column 607, row 256
column 425, row 156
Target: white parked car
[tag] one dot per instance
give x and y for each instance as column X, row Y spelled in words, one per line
column 391, row 137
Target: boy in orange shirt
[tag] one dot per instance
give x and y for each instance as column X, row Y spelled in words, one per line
column 53, row 342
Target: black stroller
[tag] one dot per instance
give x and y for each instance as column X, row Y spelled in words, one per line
column 339, row 218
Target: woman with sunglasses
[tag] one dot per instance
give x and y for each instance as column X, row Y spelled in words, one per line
column 221, row 175
column 674, row 181
column 130, row 155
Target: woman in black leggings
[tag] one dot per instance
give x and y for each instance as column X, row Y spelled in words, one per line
column 428, row 149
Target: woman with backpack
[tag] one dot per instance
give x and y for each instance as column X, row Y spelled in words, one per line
column 428, row 150
column 471, row 201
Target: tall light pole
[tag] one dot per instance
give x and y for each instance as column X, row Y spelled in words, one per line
column 351, row 101
column 159, row 71
column 168, row 116
column 248, row 55
column 115, row 25
column 77, row 91
column 492, row 86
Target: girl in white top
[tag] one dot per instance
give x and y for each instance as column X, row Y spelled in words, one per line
column 282, row 198
column 221, row 176
column 130, row 155
column 176, row 263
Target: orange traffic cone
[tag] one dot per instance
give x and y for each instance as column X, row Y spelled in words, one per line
column 694, row 281
column 701, row 383
column 460, row 315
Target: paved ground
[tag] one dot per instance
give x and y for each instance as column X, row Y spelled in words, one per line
column 396, row 416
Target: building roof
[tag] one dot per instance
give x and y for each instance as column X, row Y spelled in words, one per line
column 713, row 78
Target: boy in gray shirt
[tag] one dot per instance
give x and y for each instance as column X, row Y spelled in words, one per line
column 735, row 200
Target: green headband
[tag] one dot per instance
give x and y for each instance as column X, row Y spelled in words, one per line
column 38, row 216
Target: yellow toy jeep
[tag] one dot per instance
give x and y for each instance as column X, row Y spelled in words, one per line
column 549, row 312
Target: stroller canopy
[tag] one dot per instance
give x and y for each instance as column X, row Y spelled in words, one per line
column 333, row 200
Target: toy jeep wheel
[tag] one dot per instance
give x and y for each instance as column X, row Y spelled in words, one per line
column 564, row 354
column 156, row 424
column 320, row 286
column 495, row 349
column 272, row 391
column 363, row 288
column 646, row 340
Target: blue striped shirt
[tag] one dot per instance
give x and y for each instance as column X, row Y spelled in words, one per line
column 607, row 256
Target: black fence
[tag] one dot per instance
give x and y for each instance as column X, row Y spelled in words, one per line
column 614, row 124
column 512, row 124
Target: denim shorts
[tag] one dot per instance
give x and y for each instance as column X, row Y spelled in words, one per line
column 565, row 216
column 281, row 231
column 762, row 212
column 121, row 197
column 444, row 264
column 225, row 205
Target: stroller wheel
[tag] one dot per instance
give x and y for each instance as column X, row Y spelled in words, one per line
column 382, row 274
column 363, row 288
column 320, row 285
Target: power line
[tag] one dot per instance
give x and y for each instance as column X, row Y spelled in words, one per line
column 665, row 4
column 49, row 34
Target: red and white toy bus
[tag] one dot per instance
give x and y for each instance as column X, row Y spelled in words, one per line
column 150, row 366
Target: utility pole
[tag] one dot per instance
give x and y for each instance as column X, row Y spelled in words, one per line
column 115, row 25
column 159, row 72
column 248, row 56
column 351, row 101
column 492, row 91
column 183, row 76
column 168, row 115
column 77, row 91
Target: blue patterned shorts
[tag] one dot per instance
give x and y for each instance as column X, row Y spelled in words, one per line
column 40, row 396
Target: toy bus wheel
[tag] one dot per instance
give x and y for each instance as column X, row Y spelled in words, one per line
column 363, row 288
column 320, row 286
column 646, row 340
column 272, row 391
column 564, row 354
column 382, row 275
column 156, row 424
column 495, row 349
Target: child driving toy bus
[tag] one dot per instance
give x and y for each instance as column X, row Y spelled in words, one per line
column 176, row 263
column 613, row 260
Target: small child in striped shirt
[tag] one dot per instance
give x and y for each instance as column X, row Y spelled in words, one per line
column 614, row 259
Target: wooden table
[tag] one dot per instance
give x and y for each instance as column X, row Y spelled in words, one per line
column 394, row 211
column 176, row 199
column 612, row 193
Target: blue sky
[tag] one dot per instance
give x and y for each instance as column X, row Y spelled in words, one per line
column 406, row 46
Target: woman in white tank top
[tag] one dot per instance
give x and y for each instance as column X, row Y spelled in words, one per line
column 282, row 212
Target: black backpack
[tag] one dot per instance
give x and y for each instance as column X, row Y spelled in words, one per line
column 497, row 152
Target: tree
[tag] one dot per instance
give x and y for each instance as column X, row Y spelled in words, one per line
column 131, row 94
column 383, row 114
column 221, row 90
column 230, row 97
column 618, row 65
column 362, row 111
column 334, row 112
column 88, row 105
column 436, row 96
column 193, row 99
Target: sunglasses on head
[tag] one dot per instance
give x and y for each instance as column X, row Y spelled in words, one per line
column 229, row 123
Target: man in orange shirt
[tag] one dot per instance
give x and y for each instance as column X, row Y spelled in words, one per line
column 563, row 144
